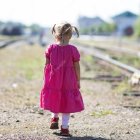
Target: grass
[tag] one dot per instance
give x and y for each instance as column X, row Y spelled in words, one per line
column 92, row 42
column 27, row 62
column 101, row 113
column 21, row 72
column 122, row 87
column 124, row 42
column 6, row 37
column 88, row 58
column 130, row 60
column 93, row 64
column 30, row 65
column 3, row 37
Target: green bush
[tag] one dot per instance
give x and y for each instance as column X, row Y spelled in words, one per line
column 137, row 28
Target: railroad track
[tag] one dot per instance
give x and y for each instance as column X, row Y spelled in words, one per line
column 123, row 50
column 105, row 57
column 5, row 43
column 134, row 72
column 128, row 96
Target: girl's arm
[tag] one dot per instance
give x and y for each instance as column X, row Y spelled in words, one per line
column 47, row 61
column 77, row 70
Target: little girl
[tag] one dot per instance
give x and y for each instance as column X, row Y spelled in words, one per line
column 60, row 93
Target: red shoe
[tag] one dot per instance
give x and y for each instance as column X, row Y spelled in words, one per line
column 54, row 123
column 64, row 132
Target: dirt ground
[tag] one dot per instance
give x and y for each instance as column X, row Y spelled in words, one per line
column 105, row 117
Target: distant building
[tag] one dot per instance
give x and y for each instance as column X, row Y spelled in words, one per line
column 125, row 23
column 84, row 21
column 11, row 29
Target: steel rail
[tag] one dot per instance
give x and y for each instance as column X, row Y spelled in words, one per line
column 105, row 57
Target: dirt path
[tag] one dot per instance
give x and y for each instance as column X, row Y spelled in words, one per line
column 104, row 117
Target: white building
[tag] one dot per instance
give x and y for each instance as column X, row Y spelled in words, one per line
column 84, row 21
column 125, row 22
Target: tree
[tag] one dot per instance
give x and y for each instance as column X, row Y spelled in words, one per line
column 105, row 28
column 35, row 29
column 84, row 31
column 12, row 29
column 137, row 28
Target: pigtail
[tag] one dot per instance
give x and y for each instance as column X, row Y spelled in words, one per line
column 76, row 30
column 53, row 29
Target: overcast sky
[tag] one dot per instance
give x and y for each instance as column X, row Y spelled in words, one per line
column 48, row 12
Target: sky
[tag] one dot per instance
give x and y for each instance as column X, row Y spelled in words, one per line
column 49, row 12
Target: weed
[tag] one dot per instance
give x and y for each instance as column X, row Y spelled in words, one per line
column 101, row 113
column 122, row 87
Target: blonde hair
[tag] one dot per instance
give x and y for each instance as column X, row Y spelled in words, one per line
column 62, row 29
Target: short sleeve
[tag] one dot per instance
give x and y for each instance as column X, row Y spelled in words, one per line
column 48, row 51
column 76, row 54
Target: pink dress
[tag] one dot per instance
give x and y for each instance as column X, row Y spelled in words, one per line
column 60, row 93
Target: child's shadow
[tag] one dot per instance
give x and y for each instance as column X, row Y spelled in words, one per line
column 84, row 138
column 80, row 138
